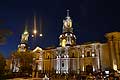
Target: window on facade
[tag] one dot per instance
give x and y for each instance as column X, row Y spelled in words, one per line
column 88, row 54
column 48, row 57
column 73, row 55
column 73, row 42
column 62, row 64
column 63, row 43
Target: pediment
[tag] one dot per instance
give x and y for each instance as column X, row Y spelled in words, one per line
column 37, row 49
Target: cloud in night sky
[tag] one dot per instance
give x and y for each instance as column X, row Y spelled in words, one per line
column 4, row 33
column 91, row 20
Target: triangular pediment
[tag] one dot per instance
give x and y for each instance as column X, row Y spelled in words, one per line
column 37, row 49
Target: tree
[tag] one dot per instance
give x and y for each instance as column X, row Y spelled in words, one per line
column 2, row 65
column 4, row 33
column 25, row 61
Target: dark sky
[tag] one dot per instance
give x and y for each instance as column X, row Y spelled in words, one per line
column 91, row 20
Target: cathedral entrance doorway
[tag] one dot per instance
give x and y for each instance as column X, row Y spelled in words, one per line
column 89, row 68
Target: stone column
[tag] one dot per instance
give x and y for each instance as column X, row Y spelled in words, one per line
column 117, row 50
column 113, row 42
column 78, row 59
column 66, row 58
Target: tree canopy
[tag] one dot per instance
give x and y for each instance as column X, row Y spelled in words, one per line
column 2, row 64
column 25, row 60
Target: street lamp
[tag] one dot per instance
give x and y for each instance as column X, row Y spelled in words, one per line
column 35, row 27
column 41, row 35
column 35, row 31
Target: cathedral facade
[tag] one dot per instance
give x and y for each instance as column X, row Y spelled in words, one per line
column 73, row 58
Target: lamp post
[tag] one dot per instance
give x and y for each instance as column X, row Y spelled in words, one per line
column 35, row 32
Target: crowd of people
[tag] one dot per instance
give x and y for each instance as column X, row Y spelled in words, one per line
column 89, row 76
column 100, row 76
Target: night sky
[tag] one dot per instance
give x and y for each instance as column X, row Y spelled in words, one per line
column 91, row 20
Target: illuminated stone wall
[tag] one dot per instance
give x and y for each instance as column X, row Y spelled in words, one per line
column 114, row 48
column 48, row 57
column 90, row 56
column 105, row 57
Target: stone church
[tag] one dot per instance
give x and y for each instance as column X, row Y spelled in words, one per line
column 72, row 58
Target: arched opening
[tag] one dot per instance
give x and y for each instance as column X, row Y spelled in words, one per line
column 88, row 53
column 62, row 64
column 73, row 55
column 89, row 68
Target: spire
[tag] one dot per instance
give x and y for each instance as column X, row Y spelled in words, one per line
column 68, row 13
column 23, row 46
column 25, row 35
column 26, row 29
column 67, row 23
column 67, row 37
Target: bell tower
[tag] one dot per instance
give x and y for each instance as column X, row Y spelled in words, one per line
column 114, row 49
column 23, row 46
column 25, row 35
column 67, row 38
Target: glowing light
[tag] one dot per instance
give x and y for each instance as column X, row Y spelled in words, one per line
column 25, row 32
column 39, row 67
column 106, row 72
column 41, row 35
column 118, row 71
column 115, row 67
column 93, row 69
column 82, row 55
column 57, row 57
column 57, row 72
column 45, row 78
column 64, row 56
column 67, row 56
column 37, row 49
column 60, row 36
column 32, row 35
column 35, row 31
column 66, row 34
column 83, row 68
column 70, row 34
column 65, row 72
column 63, row 43
column 93, row 54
